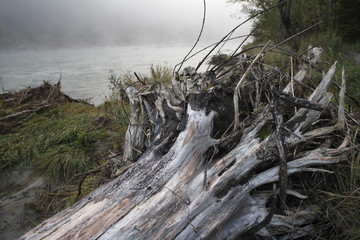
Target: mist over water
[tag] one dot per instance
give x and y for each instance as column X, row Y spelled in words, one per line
column 87, row 38
column 79, row 23
column 84, row 72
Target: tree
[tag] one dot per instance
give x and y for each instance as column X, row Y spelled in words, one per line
column 348, row 20
column 288, row 18
column 201, row 177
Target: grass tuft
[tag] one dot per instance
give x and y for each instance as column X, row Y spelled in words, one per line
column 58, row 143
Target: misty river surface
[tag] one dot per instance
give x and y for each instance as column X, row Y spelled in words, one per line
column 85, row 71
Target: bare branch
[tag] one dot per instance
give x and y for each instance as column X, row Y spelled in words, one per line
column 236, row 97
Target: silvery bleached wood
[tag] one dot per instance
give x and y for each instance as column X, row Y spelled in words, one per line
column 135, row 136
column 163, row 195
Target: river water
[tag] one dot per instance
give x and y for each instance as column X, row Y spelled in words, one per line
column 84, row 71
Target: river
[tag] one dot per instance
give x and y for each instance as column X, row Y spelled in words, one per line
column 84, row 71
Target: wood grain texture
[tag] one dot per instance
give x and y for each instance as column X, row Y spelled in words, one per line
column 162, row 196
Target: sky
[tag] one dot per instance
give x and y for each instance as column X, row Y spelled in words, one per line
column 72, row 23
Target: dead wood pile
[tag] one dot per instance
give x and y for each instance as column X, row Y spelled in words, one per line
column 220, row 155
column 18, row 107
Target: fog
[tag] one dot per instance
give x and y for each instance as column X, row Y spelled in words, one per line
column 74, row 23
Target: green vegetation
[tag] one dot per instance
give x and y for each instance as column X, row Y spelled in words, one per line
column 347, row 20
column 324, row 23
column 340, row 192
column 69, row 138
column 159, row 74
column 338, row 33
column 66, row 139
column 333, row 25
column 338, row 18
column 59, row 142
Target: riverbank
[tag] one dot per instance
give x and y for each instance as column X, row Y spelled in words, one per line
column 84, row 71
column 53, row 151
column 64, row 149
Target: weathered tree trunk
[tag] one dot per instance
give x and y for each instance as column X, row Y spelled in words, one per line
column 199, row 178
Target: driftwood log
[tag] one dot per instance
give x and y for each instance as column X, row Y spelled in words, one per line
column 199, row 177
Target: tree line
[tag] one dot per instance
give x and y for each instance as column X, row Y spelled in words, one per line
column 339, row 18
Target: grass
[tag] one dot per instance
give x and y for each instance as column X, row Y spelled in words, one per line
column 342, row 199
column 339, row 192
column 58, row 142
column 334, row 50
column 62, row 141
column 68, row 139
column 158, row 75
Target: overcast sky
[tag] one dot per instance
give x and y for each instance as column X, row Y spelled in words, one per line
column 60, row 23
